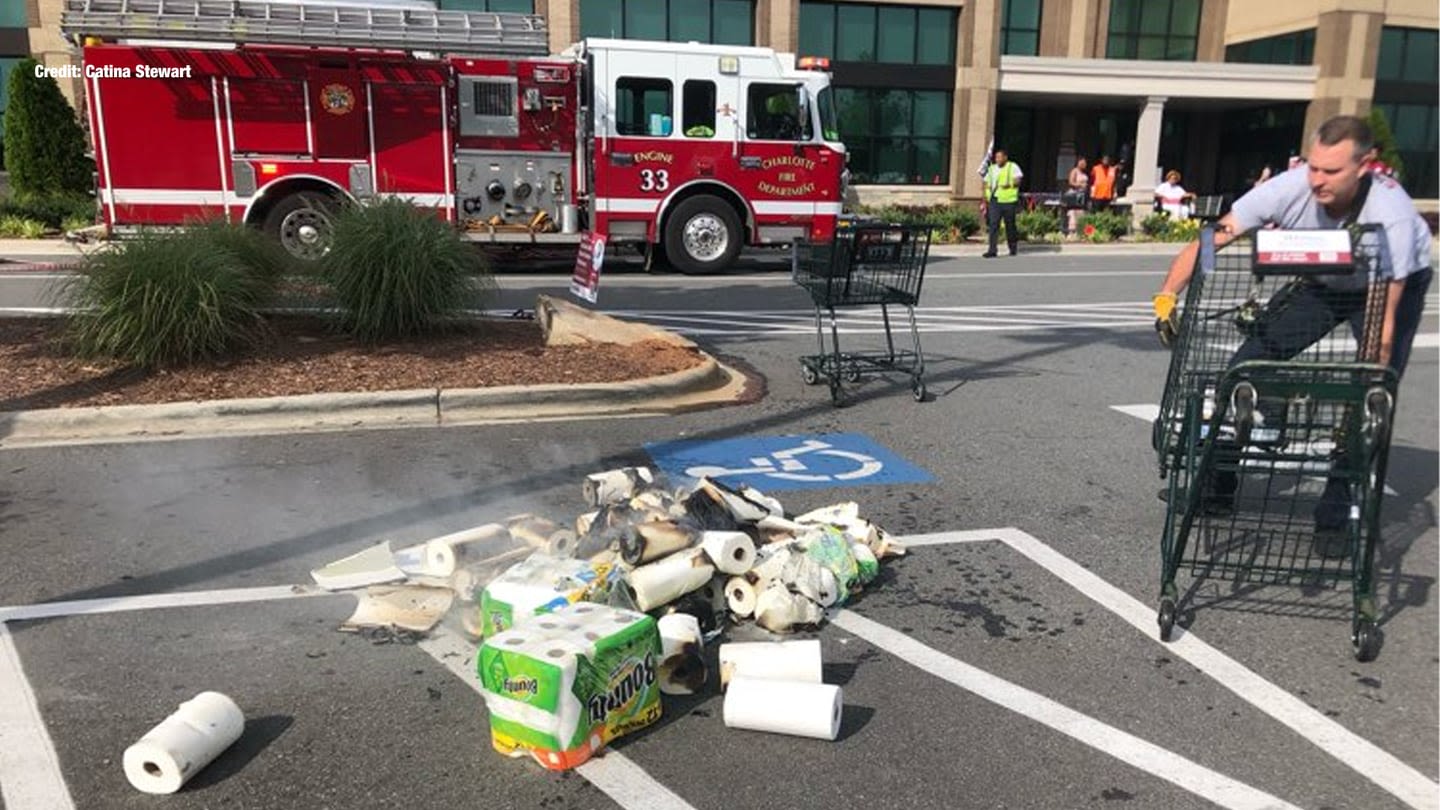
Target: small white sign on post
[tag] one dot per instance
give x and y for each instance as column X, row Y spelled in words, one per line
column 585, row 283
column 1300, row 250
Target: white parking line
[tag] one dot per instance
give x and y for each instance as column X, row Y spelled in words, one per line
column 30, row 777
column 1127, row 748
column 1366, row 758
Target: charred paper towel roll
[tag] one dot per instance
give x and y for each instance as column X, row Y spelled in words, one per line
column 646, row 542
column 184, row 743
column 731, row 552
column 682, row 659
column 666, row 580
column 614, row 486
column 784, row 707
column 775, row 660
column 740, row 596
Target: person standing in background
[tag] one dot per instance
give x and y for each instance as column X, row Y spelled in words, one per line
column 1002, row 193
column 1077, row 194
column 1102, row 184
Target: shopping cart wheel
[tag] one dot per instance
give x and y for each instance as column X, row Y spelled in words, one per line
column 1166, row 618
column 1377, row 413
column 917, row 389
column 809, row 374
column 1242, row 404
column 852, row 373
column 1366, row 640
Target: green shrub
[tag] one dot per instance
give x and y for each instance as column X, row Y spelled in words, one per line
column 1103, row 226
column 50, row 209
column 1162, row 228
column 165, row 299
column 397, row 270
column 1035, row 225
column 75, row 223
column 44, row 145
column 13, row 227
column 953, row 223
column 260, row 254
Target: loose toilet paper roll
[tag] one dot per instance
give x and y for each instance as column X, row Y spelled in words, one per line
column 775, row 660
column 730, row 552
column 784, row 707
column 740, row 596
column 184, row 743
column 668, row 579
column 682, row 661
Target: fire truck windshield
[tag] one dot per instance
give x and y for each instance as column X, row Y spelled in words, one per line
column 829, row 129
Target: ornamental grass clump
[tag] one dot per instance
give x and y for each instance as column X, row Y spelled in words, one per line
column 167, row 299
column 397, row 271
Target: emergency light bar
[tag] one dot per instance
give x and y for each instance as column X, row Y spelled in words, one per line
column 814, row 63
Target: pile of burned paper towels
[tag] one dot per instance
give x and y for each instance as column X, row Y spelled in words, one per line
column 573, row 654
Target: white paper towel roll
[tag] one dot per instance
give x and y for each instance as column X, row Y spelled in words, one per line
column 784, row 707
column 740, row 596
column 731, row 552
column 184, row 743
column 777, row 660
column 668, row 579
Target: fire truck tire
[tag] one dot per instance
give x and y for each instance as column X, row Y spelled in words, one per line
column 302, row 224
column 702, row 235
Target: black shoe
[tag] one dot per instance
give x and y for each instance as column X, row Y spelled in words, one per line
column 989, row 255
column 1012, row 251
column 1333, row 510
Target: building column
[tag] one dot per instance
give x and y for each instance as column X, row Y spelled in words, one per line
column 1147, row 157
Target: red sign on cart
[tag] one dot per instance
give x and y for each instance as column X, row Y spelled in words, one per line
column 585, row 283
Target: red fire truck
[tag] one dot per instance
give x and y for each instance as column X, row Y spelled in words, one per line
column 273, row 113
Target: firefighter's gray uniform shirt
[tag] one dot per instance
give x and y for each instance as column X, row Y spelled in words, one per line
column 1286, row 202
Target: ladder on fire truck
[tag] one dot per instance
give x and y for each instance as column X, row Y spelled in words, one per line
column 319, row 24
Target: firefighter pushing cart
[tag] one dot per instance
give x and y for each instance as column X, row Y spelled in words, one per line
column 864, row 265
column 1250, row 446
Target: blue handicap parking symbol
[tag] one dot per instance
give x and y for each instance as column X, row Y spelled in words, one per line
column 786, row 462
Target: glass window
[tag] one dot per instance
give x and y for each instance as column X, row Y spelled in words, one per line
column 690, row 23
column 1153, row 29
column 1296, row 48
column 899, row 137
column 855, row 33
column 1420, row 56
column 773, row 113
column 601, row 18
column 721, row 22
column 936, row 43
column 734, row 21
column 896, row 34
column 1392, row 53
column 1020, row 28
column 12, row 15
column 817, row 29
column 698, row 105
column 645, row 19
column 643, row 106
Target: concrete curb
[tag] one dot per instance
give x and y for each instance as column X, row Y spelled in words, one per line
column 708, row 384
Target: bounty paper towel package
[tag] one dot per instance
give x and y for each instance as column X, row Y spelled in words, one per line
column 562, row 685
column 539, row 584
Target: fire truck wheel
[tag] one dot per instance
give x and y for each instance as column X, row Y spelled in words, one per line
column 302, row 224
column 702, row 235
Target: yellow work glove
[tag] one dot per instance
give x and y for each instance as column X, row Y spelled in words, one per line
column 1167, row 323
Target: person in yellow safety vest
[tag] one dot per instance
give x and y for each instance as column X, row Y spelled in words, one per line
column 1002, row 194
